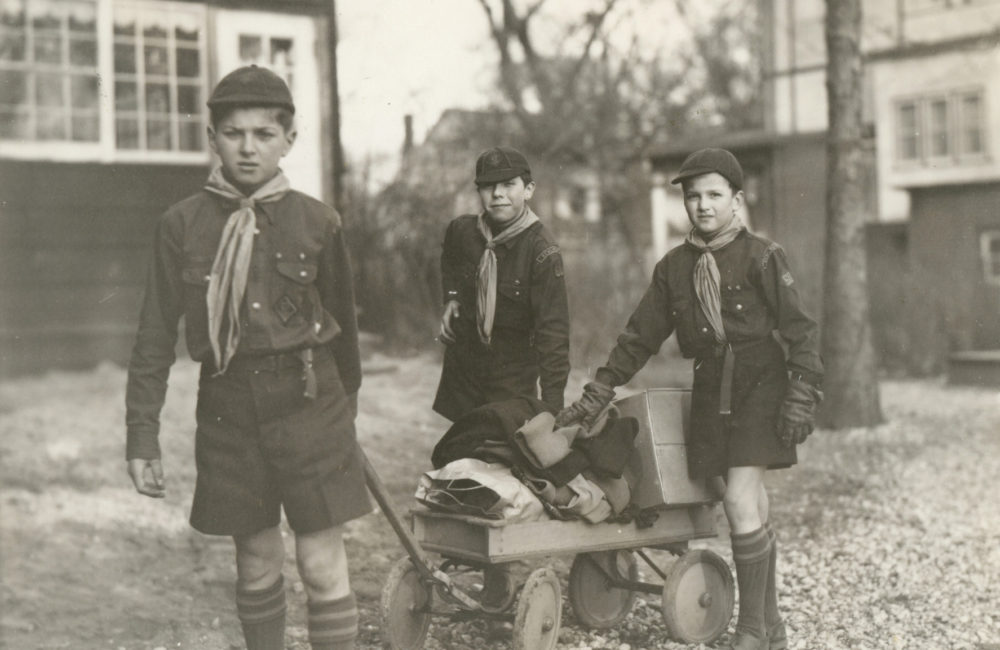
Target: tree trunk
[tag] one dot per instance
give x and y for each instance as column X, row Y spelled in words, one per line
column 336, row 146
column 851, row 384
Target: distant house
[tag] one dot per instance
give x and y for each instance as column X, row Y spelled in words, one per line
column 931, row 87
column 102, row 126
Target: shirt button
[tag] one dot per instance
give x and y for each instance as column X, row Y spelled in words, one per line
column 277, row 255
column 255, row 305
column 208, row 278
column 729, row 287
column 739, row 307
column 303, row 273
column 302, row 256
column 256, row 231
column 737, row 287
column 704, row 329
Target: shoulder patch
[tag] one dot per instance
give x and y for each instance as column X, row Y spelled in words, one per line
column 787, row 278
column 766, row 257
column 546, row 253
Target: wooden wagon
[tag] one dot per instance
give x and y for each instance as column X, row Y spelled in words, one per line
column 696, row 589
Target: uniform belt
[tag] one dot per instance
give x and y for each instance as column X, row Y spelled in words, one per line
column 304, row 359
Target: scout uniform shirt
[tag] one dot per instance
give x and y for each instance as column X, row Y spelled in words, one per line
column 299, row 295
column 530, row 338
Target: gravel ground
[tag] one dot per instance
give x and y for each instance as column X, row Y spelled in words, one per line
column 889, row 537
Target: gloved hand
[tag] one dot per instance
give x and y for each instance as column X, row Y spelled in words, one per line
column 586, row 409
column 797, row 416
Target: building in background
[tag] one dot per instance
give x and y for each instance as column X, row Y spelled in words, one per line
column 931, row 91
column 102, row 126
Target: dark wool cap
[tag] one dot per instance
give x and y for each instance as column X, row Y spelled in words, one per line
column 706, row 161
column 500, row 164
column 251, row 86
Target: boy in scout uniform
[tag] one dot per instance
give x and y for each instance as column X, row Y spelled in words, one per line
column 260, row 274
column 725, row 291
column 505, row 320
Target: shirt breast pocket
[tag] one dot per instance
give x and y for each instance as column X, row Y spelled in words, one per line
column 683, row 319
column 513, row 309
column 195, row 276
column 742, row 310
column 295, row 296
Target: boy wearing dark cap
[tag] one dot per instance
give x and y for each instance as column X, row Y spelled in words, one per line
column 261, row 275
column 505, row 321
column 726, row 292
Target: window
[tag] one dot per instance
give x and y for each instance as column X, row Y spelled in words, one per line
column 158, row 70
column 989, row 246
column 48, row 71
column 940, row 128
column 103, row 79
column 274, row 53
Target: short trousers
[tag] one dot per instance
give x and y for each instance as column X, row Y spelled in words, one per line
column 749, row 435
column 473, row 375
column 261, row 446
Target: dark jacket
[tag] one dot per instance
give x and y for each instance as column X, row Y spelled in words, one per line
column 299, row 295
column 759, row 296
column 531, row 326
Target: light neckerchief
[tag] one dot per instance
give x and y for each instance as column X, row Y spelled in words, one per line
column 231, row 267
column 706, row 274
column 486, row 278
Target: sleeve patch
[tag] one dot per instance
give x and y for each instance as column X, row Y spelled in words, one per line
column 546, row 253
column 786, row 277
column 766, row 257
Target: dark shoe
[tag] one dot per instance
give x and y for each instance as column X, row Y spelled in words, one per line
column 777, row 637
column 747, row 641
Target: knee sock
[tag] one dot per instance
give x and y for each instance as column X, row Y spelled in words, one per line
column 333, row 624
column 751, row 554
column 771, row 616
column 262, row 613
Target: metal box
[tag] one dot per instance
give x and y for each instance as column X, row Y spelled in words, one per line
column 664, row 422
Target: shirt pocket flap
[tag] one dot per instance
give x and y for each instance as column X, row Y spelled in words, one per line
column 300, row 272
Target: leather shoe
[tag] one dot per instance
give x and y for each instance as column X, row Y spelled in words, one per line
column 777, row 637
column 747, row 641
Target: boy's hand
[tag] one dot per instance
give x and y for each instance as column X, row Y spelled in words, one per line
column 147, row 476
column 585, row 410
column 797, row 417
column 447, row 335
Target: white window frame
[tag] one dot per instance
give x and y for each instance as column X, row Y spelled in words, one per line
column 956, row 125
column 901, row 135
column 104, row 150
column 962, row 123
column 986, row 254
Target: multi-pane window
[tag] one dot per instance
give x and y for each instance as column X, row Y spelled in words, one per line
column 158, row 71
column 989, row 246
column 275, row 53
column 111, row 79
column 941, row 127
column 49, row 71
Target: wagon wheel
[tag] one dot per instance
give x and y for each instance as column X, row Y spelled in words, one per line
column 595, row 602
column 698, row 597
column 405, row 608
column 539, row 612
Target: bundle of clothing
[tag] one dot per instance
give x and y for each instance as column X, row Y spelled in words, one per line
column 507, row 461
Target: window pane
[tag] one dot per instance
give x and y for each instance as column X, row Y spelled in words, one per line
column 13, row 87
column 158, row 135
column 49, row 90
column 48, row 48
column 156, row 60
column 11, row 45
column 251, row 49
column 15, row 125
column 187, row 27
column 124, row 24
column 126, row 96
column 939, row 127
column 157, row 98
column 45, row 15
column 281, row 53
column 83, row 52
column 126, row 133
column 188, row 62
column 124, row 57
column 86, row 128
column 191, row 134
column 972, row 120
column 83, row 91
column 908, row 134
column 12, row 13
column 51, row 124
column 189, row 100
column 154, row 26
column 83, row 17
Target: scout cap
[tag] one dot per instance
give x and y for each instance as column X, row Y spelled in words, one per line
column 251, row 86
column 706, row 161
column 500, row 164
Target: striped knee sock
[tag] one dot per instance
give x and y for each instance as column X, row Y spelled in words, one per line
column 751, row 554
column 262, row 613
column 333, row 624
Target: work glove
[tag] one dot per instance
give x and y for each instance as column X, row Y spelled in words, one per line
column 797, row 416
column 585, row 410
